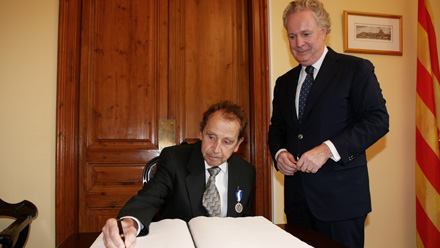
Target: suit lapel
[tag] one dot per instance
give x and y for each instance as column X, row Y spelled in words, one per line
column 233, row 184
column 324, row 76
column 292, row 93
column 195, row 181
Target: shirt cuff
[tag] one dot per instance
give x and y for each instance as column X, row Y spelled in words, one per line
column 336, row 157
column 140, row 225
column 279, row 151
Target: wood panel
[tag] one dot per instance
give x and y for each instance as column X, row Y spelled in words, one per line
column 121, row 102
column 260, row 106
column 114, row 176
column 99, row 216
column 119, row 73
column 66, row 196
column 209, row 61
column 122, row 85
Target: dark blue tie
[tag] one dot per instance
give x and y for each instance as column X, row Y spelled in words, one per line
column 305, row 89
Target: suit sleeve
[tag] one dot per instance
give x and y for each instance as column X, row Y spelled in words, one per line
column 151, row 197
column 277, row 132
column 370, row 120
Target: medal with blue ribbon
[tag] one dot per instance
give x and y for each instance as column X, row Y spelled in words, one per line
column 238, row 196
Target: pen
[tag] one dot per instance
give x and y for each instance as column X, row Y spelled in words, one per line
column 121, row 231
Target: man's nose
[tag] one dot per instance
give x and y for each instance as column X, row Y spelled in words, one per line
column 299, row 42
column 216, row 147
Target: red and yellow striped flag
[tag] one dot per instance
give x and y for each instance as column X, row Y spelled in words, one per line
column 427, row 131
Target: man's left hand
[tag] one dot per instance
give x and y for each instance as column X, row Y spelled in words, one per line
column 313, row 160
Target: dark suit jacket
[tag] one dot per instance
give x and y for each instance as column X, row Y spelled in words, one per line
column 345, row 105
column 179, row 183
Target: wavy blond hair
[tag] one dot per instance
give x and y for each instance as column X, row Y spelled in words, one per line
column 321, row 15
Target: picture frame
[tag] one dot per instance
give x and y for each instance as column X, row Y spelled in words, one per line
column 372, row 33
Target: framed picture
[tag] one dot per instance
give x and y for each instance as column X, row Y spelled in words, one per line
column 372, row 33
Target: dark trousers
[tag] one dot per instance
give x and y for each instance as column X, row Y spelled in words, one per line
column 349, row 232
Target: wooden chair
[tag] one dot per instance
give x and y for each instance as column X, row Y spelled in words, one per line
column 149, row 170
column 15, row 235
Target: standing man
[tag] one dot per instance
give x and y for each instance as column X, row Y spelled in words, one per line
column 183, row 173
column 318, row 138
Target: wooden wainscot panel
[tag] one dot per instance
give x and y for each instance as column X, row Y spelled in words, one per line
column 100, row 216
column 108, row 199
column 114, row 176
column 122, row 154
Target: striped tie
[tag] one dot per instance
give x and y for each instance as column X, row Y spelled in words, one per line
column 211, row 197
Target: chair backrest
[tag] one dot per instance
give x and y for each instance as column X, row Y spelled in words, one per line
column 15, row 235
column 149, row 170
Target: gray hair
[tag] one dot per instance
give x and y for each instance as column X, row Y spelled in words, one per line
column 321, row 15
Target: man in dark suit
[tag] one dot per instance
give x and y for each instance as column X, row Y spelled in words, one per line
column 318, row 141
column 181, row 178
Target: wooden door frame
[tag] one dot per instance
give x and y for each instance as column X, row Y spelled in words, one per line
column 67, row 127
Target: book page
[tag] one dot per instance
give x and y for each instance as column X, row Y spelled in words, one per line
column 244, row 232
column 163, row 234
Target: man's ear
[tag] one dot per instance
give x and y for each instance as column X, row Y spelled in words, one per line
column 324, row 32
column 238, row 144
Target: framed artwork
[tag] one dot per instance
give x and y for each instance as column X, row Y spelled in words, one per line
column 372, row 33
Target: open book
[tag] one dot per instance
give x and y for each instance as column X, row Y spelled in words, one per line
column 215, row 232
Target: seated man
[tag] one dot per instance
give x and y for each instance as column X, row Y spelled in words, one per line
column 178, row 186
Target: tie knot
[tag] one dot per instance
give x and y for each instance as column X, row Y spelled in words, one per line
column 309, row 70
column 213, row 171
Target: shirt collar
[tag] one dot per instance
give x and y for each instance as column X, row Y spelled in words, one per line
column 317, row 64
column 223, row 167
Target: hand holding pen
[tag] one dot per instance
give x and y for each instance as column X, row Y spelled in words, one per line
column 121, row 230
column 120, row 233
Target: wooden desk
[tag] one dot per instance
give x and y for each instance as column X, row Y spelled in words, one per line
column 311, row 237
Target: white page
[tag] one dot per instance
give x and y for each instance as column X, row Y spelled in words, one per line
column 169, row 233
column 245, row 232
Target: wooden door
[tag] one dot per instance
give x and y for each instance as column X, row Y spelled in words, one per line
column 68, row 142
column 143, row 62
